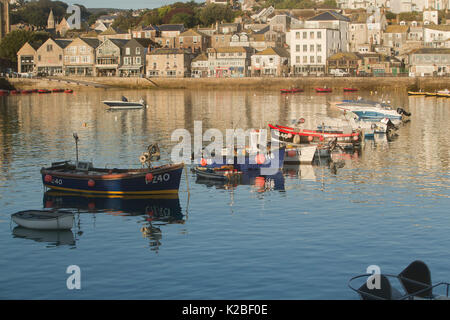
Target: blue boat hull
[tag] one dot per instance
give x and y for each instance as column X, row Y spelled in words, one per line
column 164, row 181
column 375, row 116
column 273, row 160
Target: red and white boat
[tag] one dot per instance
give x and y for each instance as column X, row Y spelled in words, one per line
column 323, row 90
column 297, row 136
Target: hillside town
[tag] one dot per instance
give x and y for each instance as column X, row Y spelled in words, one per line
column 357, row 38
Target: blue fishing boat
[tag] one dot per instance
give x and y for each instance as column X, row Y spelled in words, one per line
column 83, row 177
column 246, row 160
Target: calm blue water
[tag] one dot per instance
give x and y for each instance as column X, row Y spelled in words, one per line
column 387, row 206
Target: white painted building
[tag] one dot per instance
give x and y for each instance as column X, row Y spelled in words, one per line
column 310, row 48
column 436, row 36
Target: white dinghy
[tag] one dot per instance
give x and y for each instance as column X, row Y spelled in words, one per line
column 124, row 104
column 44, row 220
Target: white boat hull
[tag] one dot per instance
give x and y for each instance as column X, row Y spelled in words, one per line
column 124, row 105
column 302, row 155
column 44, row 221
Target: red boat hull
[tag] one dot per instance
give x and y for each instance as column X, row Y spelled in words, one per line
column 350, row 89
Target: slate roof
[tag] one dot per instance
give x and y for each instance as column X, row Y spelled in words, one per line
column 329, row 16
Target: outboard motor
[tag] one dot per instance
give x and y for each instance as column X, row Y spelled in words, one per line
column 402, row 111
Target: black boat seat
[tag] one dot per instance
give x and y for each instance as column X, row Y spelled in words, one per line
column 417, row 277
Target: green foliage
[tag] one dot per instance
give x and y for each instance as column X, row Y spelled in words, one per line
column 329, row 4
column 213, row 12
column 36, row 12
column 410, row 16
column 13, row 41
column 390, row 15
column 126, row 21
column 94, row 17
column 292, row 4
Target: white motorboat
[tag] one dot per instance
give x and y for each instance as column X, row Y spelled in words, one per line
column 124, row 104
column 44, row 220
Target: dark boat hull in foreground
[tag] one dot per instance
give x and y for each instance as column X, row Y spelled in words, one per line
column 114, row 182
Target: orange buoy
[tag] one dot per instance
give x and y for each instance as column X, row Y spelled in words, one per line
column 91, row 183
column 203, row 162
column 260, row 158
column 292, row 153
column 260, row 182
column 310, row 138
column 149, row 177
column 355, row 138
column 48, row 178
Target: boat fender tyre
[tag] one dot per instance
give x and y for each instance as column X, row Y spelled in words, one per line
column 296, row 139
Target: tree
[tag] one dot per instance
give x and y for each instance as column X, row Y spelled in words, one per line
column 13, row 41
column 213, row 12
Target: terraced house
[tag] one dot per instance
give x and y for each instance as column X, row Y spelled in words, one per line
column 229, row 61
column 26, row 57
column 193, row 40
column 271, row 62
column 134, row 56
column 79, row 57
column 50, row 57
column 108, row 57
column 169, row 63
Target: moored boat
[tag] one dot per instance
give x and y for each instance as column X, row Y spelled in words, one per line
column 27, row 91
column 125, row 104
column 68, row 91
column 443, row 93
column 44, row 91
column 430, row 94
column 44, row 220
column 323, row 90
column 84, row 178
column 292, row 90
column 350, row 89
column 224, row 173
column 14, row 92
column 416, row 93
column 57, row 90
column 4, row 92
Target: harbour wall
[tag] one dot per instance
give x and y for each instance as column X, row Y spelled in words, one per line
column 254, row 83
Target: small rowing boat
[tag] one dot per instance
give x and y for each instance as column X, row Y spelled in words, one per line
column 27, row 91
column 4, row 92
column 224, row 173
column 44, row 220
column 68, row 91
column 416, row 93
column 57, row 90
column 430, row 94
column 443, row 93
column 292, row 90
column 15, row 92
column 44, row 91
column 350, row 89
column 323, row 90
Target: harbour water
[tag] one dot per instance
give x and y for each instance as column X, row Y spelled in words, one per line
column 302, row 239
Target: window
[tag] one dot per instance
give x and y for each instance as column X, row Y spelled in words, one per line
column 319, row 34
column 319, row 59
column 297, row 48
column 297, row 35
column 311, row 59
column 60, row 57
column 297, row 59
column 138, row 50
column 305, row 35
column 138, row 60
column 305, row 48
column 311, row 35
column 305, row 59
column 39, row 58
column 127, row 51
column 319, row 48
column 311, row 48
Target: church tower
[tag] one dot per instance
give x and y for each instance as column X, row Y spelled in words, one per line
column 51, row 21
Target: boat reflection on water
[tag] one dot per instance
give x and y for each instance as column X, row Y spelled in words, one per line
column 260, row 183
column 156, row 210
column 53, row 238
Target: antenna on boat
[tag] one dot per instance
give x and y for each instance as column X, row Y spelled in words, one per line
column 75, row 136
